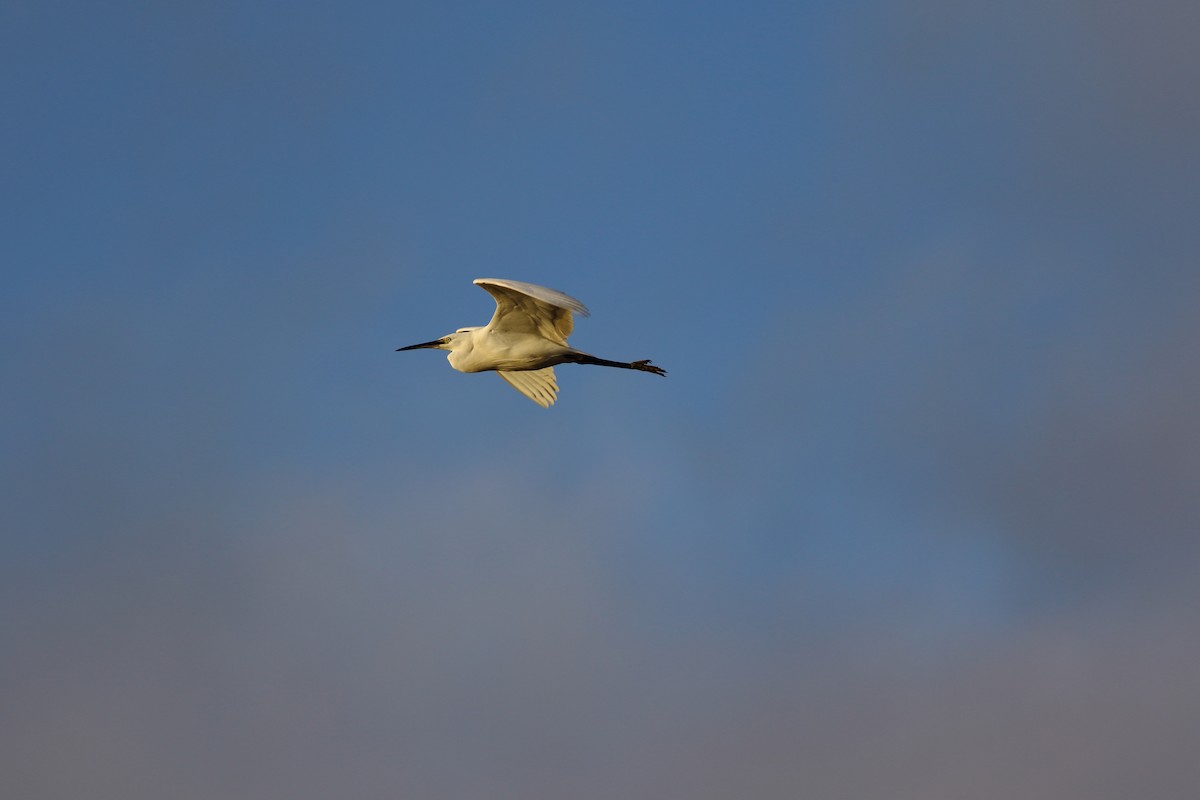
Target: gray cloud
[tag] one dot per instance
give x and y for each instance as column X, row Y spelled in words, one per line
column 411, row 649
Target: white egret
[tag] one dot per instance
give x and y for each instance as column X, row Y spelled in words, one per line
column 523, row 341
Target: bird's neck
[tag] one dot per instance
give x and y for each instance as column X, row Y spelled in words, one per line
column 461, row 354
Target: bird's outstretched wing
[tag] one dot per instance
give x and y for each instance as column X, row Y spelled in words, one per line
column 538, row 385
column 528, row 308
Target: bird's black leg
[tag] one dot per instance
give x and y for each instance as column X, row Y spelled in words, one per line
column 643, row 366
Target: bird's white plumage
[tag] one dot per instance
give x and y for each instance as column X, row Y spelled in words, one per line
column 538, row 385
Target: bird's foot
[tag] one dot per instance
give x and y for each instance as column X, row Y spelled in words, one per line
column 646, row 366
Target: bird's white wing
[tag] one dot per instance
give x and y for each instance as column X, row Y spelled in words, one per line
column 528, row 308
column 538, row 385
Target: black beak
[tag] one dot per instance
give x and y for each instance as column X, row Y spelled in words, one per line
column 426, row 345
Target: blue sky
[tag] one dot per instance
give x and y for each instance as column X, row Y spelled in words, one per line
column 913, row 515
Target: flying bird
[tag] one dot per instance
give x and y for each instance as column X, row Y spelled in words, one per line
column 525, row 339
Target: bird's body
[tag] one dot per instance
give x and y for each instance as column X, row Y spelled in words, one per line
column 525, row 339
column 483, row 349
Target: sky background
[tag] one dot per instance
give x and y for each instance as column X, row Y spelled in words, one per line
column 914, row 515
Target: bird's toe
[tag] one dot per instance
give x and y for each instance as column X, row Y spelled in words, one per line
column 646, row 366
